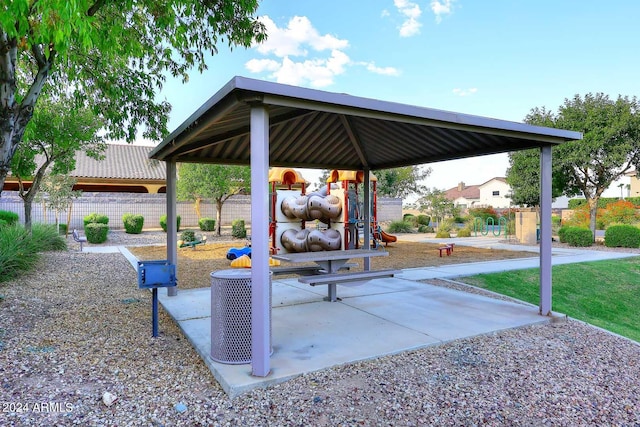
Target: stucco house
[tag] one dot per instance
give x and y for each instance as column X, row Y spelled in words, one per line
column 494, row 192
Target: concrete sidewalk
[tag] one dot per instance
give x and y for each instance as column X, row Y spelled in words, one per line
column 380, row 317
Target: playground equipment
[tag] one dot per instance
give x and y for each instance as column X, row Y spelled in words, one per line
column 335, row 210
column 484, row 226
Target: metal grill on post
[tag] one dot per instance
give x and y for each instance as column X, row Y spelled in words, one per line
column 153, row 275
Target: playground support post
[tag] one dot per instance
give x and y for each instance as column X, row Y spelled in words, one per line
column 172, row 226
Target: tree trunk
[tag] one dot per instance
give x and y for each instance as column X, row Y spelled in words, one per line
column 27, row 213
column 593, row 212
column 218, row 215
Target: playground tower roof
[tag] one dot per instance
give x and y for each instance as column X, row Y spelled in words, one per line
column 317, row 129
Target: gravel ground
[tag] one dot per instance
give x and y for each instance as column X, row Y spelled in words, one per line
column 78, row 327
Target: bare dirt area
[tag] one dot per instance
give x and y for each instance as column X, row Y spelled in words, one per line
column 195, row 265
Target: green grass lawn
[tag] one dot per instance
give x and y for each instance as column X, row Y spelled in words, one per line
column 603, row 293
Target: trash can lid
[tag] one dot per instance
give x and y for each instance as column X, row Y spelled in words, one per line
column 236, row 273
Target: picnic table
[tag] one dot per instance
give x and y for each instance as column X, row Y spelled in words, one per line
column 332, row 261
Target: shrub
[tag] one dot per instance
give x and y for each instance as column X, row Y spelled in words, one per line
column 133, row 223
column 410, row 219
column 163, row 223
column 555, row 220
column 238, row 229
column 464, row 232
column 20, row 248
column 207, row 224
column 11, row 218
column 62, row 229
column 576, row 236
column 96, row 232
column 3, row 223
column 620, row 212
column 425, row 229
column 484, row 213
column 423, row 220
column 95, row 218
column 188, row 236
column 623, row 236
column 400, row 227
column 442, row 234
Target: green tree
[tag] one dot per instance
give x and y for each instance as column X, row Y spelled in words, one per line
column 523, row 175
column 55, row 133
column 109, row 56
column 610, row 147
column 59, row 189
column 436, row 204
column 401, row 182
column 197, row 182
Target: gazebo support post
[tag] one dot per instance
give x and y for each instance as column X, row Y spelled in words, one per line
column 367, row 216
column 260, row 321
column 545, row 230
column 172, row 228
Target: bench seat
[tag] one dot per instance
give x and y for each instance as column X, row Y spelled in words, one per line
column 337, row 278
column 306, row 270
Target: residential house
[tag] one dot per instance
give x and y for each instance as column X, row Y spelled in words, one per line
column 125, row 168
column 495, row 192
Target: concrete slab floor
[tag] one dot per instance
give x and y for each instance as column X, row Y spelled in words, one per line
column 381, row 317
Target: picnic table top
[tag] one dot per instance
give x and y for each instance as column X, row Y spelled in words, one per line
column 329, row 255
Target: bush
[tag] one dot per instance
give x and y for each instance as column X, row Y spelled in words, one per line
column 622, row 236
column 62, row 229
column 95, row 218
column 133, row 223
column 20, row 249
column 410, row 219
column 620, row 212
column 423, row 220
column 576, row 236
column 484, row 213
column 188, row 236
column 96, row 232
column 425, row 229
column 163, row 223
column 10, row 217
column 602, row 202
column 464, row 232
column 207, row 224
column 400, row 227
column 238, row 229
column 3, row 223
column 442, row 234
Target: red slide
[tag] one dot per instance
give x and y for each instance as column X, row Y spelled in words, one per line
column 387, row 238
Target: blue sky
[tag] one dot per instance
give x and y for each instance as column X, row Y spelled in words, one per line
column 490, row 58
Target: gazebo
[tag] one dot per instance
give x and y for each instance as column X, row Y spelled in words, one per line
column 265, row 124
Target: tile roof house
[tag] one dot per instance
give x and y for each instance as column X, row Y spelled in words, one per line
column 125, row 168
column 494, row 192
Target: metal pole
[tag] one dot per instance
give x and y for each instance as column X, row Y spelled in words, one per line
column 367, row 216
column 545, row 231
column 172, row 228
column 154, row 310
column 260, row 321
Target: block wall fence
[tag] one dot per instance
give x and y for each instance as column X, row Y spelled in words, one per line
column 152, row 207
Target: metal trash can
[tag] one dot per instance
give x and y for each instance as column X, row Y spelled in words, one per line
column 231, row 316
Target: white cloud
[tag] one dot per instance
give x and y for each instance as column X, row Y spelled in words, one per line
column 441, row 7
column 292, row 40
column 411, row 11
column 384, row 13
column 386, row 71
column 300, row 55
column 465, row 92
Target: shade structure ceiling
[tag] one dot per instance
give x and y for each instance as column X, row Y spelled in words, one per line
column 316, row 129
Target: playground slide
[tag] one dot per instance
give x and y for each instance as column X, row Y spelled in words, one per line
column 387, row 238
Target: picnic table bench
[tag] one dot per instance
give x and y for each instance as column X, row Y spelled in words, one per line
column 448, row 248
column 306, row 270
column 330, row 262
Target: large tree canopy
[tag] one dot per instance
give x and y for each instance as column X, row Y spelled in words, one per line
column 609, row 149
column 110, row 56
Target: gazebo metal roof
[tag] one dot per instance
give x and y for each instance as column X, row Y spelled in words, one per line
column 317, row 129
column 268, row 124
